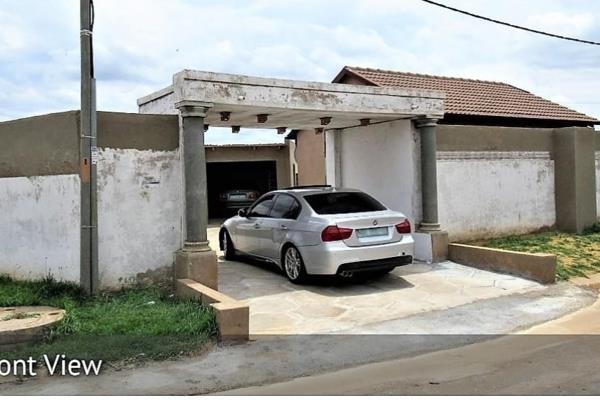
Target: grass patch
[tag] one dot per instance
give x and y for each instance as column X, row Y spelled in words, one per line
column 130, row 324
column 577, row 255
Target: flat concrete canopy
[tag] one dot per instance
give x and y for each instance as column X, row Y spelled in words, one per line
column 290, row 104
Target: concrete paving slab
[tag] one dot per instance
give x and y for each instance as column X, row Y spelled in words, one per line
column 280, row 307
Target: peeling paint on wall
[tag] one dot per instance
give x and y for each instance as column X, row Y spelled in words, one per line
column 39, row 220
column 140, row 211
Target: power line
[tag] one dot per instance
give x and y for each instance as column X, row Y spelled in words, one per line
column 511, row 25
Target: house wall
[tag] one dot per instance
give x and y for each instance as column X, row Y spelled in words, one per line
column 381, row 160
column 310, row 156
column 40, row 145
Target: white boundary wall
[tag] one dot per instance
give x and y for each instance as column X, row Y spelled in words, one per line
column 140, row 213
column 486, row 194
column 39, row 221
column 598, row 184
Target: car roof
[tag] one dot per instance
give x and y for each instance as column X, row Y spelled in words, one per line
column 305, row 191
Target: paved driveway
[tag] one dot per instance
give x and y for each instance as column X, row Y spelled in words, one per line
column 280, row 307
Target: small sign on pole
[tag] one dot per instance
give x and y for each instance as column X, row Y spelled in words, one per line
column 95, row 154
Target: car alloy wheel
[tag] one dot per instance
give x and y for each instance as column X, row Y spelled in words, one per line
column 293, row 265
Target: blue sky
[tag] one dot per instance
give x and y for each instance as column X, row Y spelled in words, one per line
column 139, row 45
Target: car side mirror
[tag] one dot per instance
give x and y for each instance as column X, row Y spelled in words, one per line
column 243, row 212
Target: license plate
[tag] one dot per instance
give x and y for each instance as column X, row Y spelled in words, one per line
column 371, row 232
column 237, row 197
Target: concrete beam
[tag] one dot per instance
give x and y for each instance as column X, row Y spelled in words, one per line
column 295, row 104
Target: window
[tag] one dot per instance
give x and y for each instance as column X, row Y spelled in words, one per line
column 343, row 203
column 285, row 207
column 262, row 208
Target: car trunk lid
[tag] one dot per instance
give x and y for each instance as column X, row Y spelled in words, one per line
column 369, row 228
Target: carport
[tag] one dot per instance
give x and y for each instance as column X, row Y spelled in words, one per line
column 206, row 99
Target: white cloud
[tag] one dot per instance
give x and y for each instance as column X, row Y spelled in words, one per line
column 140, row 44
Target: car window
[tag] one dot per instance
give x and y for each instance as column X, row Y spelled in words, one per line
column 262, row 208
column 343, row 203
column 285, row 207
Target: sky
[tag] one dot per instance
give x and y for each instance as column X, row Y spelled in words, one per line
column 140, row 44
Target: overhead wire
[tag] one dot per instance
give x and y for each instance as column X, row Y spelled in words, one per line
column 523, row 28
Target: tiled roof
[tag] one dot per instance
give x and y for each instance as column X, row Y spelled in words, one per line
column 473, row 97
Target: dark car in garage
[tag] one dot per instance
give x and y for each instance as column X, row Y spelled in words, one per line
column 233, row 200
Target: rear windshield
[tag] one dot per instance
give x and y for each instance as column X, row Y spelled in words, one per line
column 343, row 203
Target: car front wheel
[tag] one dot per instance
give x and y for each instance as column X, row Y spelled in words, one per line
column 293, row 265
column 227, row 245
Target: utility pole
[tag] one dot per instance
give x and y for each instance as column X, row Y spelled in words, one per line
column 88, row 154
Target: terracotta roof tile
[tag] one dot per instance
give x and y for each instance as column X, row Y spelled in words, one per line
column 475, row 97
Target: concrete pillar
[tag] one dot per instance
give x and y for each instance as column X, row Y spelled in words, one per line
column 194, row 166
column 196, row 260
column 426, row 127
column 574, row 178
column 431, row 243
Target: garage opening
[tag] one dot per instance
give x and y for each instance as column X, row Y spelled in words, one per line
column 242, row 176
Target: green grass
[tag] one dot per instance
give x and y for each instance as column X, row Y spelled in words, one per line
column 578, row 255
column 130, row 324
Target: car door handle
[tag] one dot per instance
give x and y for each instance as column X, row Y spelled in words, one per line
column 284, row 227
column 256, row 226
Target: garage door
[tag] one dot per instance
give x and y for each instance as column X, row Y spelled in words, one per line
column 247, row 175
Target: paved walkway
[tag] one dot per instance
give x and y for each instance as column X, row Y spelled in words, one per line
column 280, row 307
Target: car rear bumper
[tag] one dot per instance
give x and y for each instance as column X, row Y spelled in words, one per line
column 375, row 265
column 335, row 257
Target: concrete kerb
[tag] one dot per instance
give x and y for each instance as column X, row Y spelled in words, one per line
column 232, row 316
column 538, row 267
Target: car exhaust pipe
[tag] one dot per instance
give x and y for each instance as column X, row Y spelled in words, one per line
column 346, row 274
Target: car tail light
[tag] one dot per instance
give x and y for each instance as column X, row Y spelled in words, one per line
column 333, row 233
column 403, row 227
column 252, row 196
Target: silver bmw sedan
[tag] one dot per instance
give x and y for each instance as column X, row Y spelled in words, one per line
column 320, row 230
